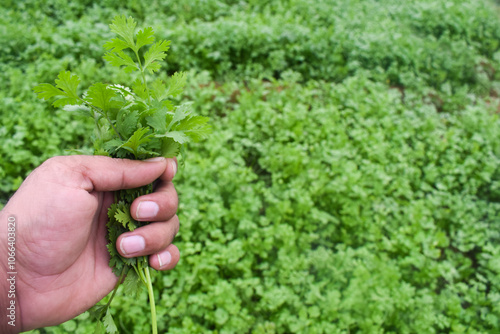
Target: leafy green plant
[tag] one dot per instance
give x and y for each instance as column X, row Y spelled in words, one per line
column 140, row 122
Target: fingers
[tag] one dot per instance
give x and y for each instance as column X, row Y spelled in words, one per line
column 158, row 206
column 170, row 170
column 154, row 239
column 166, row 259
column 107, row 174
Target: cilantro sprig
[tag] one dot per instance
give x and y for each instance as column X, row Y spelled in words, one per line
column 137, row 122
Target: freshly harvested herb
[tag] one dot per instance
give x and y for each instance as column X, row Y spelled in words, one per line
column 137, row 122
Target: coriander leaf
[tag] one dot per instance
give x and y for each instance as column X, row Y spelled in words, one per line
column 112, row 145
column 82, row 109
column 154, row 67
column 121, row 59
column 144, row 37
column 97, row 311
column 68, row 83
column 158, row 121
column 46, row 91
column 168, row 104
column 179, row 136
column 126, row 122
column 65, row 89
column 116, row 45
column 157, row 51
column 176, row 84
column 181, row 113
column 195, row 127
column 124, row 217
column 169, row 148
column 100, row 151
column 136, row 140
column 124, row 27
column 99, row 329
column 109, row 323
column 159, row 90
column 100, row 96
column 140, row 89
column 132, row 283
column 116, row 261
column 141, row 153
column 124, row 91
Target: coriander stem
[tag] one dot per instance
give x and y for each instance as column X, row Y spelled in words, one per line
column 113, row 126
column 143, row 76
column 151, row 301
column 102, row 113
column 122, row 274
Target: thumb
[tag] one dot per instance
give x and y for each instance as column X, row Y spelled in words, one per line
column 100, row 173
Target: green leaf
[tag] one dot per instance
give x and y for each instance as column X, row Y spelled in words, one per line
column 99, row 328
column 176, row 84
column 154, row 67
column 65, row 89
column 179, row 136
column 124, row 91
column 158, row 121
column 125, row 28
column 137, row 139
column 159, row 90
column 112, row 145
column 68, row 83
column 132, row 283
column 109, row 323
column 97, row 311
column 126, row 122
column 47, row 91
column 139, row 89
column 196, row 127
column 182, row 111
column 100, row 96
column 169, row 148
column 144, row 37
column 124, row 217
column 156, row 52
column 81, row 109
column 168, row 104
column 121, row 59
column 116, row 45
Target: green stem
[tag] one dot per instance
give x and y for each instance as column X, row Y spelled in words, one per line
column 146, row 278
column 151, row 301
column 102, row 113
column 120, row 279
column 143, row 75
column 113, row 126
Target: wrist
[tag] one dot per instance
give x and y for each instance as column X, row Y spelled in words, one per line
column 10, row 320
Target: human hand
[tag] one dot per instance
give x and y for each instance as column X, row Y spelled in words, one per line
column 61, row 213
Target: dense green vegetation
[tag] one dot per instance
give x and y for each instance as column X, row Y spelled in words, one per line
column 351, row 184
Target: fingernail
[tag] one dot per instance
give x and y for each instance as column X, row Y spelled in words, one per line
column 174, row 166
column 164, row 258
column 132, row 244
column 155, row 159
column 147, row 210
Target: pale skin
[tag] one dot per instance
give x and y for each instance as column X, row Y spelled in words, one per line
column 61, row 212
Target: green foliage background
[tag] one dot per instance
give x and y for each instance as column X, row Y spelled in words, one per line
column 351, row 184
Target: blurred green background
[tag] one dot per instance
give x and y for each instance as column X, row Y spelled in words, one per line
column 351, row 184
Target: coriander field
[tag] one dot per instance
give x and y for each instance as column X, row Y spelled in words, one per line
column 352, row 180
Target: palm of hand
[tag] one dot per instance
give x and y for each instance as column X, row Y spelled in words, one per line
column 66, row 257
